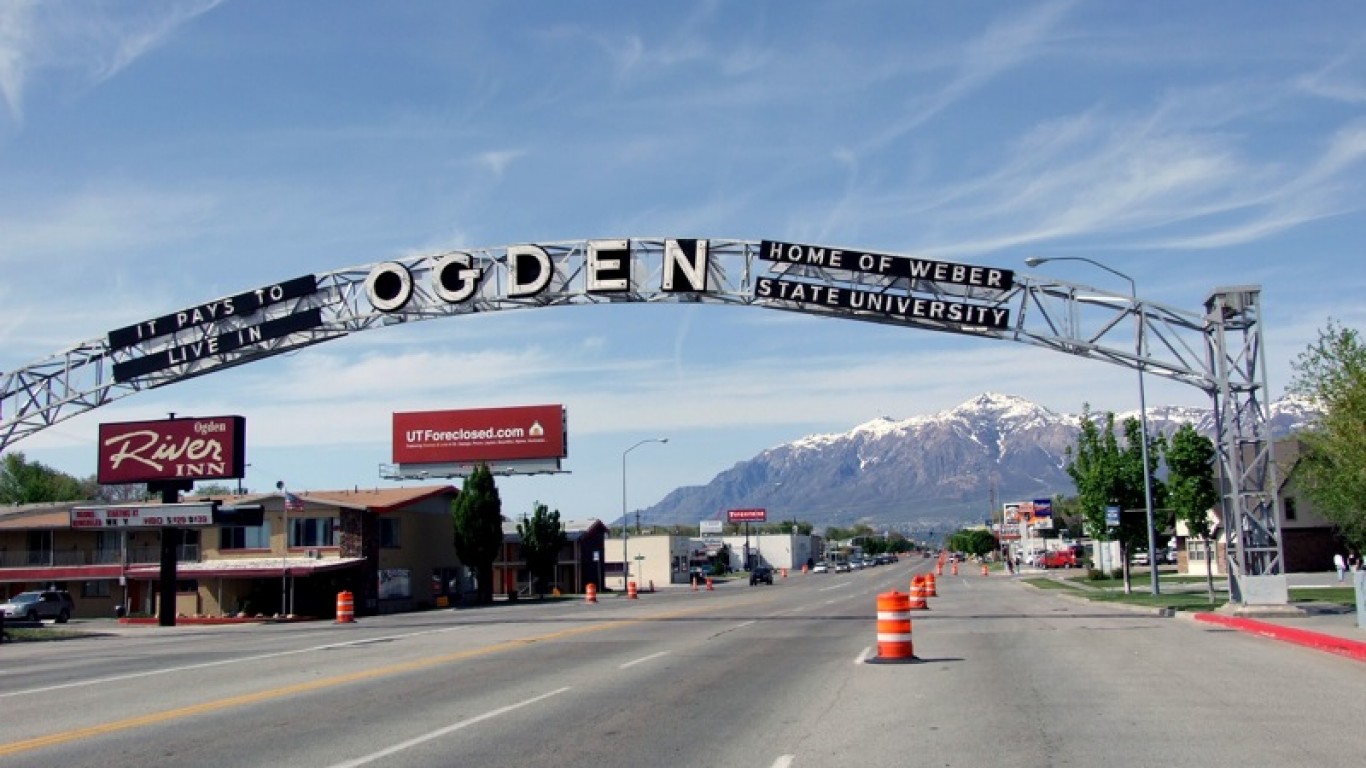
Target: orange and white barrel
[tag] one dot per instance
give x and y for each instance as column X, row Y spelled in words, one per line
column 631, row 592
column 893, row 629
column 346, row 608
column 592, row 593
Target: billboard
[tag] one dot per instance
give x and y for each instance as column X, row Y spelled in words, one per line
column 759, row 515
column 212, row 448
column 480, row 434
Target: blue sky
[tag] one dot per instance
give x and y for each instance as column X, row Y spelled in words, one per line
column 156, row 155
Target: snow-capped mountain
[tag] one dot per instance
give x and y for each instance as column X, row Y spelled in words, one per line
column 924, row 471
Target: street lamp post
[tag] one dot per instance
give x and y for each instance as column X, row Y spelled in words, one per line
column 1035, row 261
column 625, row 524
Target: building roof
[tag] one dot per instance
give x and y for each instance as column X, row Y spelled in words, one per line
column 57, row 515
column 244, row 568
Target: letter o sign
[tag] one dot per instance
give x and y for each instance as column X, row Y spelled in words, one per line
column 389, row 286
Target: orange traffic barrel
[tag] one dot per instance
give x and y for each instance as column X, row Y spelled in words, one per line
column 592, row 596
column 939, row 568
column 984, row 569
column 784, row 573
column 893, row 630
column 955, row 567
column 631, row 591
column 932, row 591
column 916, row 601
column 346, row 608
column 694, row 583
column 710, row 588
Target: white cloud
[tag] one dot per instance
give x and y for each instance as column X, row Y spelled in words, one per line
column 87, row 41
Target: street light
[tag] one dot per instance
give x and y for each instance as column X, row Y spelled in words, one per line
column 625, row 526
column 1035, row 261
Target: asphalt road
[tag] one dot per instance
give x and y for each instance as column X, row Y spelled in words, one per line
column 742, row 676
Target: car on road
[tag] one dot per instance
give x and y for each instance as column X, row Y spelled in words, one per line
column 820, row 567
column 1060, row 558
column 843, row 567
column 761, row 573
column 40, row 604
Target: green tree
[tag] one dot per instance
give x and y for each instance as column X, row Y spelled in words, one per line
column 1191, row 489
column 26, row 482
column 478, row 513
column 1106, row 474
column 972, row 542
column 542, row 539
column 1331, row 373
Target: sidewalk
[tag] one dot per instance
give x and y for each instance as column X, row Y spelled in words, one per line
column 1323, row 627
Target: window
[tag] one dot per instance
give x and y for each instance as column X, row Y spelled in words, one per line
column 312, row 532
column 244, row 537
column 389, row 533
column 1289, row 505
column 95, row 588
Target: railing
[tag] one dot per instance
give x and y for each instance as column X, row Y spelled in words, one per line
column 46, row 558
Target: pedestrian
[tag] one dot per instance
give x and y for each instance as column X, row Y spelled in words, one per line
column 1339, row 564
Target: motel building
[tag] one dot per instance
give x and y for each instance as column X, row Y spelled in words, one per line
column 393, row 549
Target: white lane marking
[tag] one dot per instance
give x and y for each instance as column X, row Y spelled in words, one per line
column 863, row 655
column 222, row 662
column 643, row 659
column 837, row 586
column 784, row 762
column 743, row 624
column 399, row 747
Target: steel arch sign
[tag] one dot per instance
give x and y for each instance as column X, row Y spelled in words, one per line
column 1218, row 349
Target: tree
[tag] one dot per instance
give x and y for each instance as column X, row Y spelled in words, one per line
column 478, row 513
column 1331, row 373
column 542, row 539
column 25, row 482
column 1191, row 487
column 1105, row 475
column 212, row 489
column 973, row 542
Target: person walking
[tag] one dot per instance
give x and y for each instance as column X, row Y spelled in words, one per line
column 1340, row 564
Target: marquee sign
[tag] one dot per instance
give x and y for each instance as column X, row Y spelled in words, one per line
column 212, row 448
column 138, row 516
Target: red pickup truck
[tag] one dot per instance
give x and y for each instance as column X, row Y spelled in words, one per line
column 1060, row 558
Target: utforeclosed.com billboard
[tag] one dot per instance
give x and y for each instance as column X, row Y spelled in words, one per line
column 480, row 434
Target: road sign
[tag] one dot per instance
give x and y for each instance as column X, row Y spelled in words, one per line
column 1112, row 516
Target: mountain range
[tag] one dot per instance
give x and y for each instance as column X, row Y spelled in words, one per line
column 925, row 472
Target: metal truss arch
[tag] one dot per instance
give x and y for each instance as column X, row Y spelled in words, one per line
column 1217, row 350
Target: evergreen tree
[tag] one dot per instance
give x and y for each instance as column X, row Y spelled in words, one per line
column 542, row 539
column 478, row 513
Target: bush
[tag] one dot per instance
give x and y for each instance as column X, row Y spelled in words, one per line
column 1095, row 574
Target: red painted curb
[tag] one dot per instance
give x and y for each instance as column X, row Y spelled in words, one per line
column 1353, row 649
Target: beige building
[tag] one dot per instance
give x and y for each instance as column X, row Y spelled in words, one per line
column 393, row 549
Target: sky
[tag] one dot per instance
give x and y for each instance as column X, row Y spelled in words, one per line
column 158, row 154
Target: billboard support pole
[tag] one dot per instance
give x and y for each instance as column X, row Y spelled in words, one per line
column 170, row 542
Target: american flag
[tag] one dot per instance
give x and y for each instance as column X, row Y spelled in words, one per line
column 293, row 503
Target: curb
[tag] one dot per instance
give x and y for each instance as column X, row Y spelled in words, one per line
column 1352, row 649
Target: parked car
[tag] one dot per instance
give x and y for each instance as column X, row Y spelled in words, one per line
column 761, row 573
column 696, row 573
column 36, row 605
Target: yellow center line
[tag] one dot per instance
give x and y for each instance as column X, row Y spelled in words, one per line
column 165, row 716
